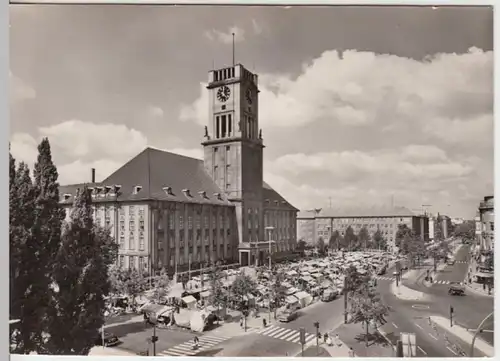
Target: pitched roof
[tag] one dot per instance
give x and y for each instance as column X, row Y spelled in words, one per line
column 268, row 193
column 154, row 169
column 361, row 212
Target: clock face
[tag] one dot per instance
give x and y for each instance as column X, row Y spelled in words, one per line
column 223, row 93
column 248, row 95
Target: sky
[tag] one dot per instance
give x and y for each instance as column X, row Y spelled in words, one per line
column 359, row 106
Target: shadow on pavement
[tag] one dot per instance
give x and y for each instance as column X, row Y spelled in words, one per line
column 373, row 339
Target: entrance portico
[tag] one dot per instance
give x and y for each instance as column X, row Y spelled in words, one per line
column 255, row 253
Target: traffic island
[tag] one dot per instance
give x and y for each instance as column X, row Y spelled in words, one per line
column 354, row 336
column 405, row 293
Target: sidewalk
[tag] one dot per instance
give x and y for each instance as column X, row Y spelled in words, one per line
column 353, row 335
column 231, row 325
column 464, row 335
column 476, row 287
column 109, row 351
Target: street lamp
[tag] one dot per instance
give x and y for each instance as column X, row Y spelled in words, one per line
column 479, row 329
column 270, row 229
column 329, row 235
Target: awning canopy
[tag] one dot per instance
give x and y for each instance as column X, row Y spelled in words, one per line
column 188, row 299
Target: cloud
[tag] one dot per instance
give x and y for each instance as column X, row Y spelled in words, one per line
column 257, row 28
column 445, row 91
column 78, row 146
column 19, row 90
column 226, row 37
column 155, row 112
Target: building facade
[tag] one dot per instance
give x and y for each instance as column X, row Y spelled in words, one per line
column 486, row 237
column 175, row 212
column 325, row 222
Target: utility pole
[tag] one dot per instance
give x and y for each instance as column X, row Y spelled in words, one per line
column 451, row 316
column 345, row 300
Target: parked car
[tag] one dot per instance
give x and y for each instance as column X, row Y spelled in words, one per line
column 456, row 289
column 109, row 339
column 287, row 316
column 450, row 261
column 329, row 295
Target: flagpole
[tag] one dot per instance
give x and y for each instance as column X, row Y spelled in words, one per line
column 234, row 63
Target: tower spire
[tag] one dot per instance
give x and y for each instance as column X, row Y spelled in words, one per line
column 234, row 63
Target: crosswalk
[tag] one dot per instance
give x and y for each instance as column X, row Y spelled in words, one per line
column 284, row 334
column 384, row 278
column 186, row 349
column 441, row 282
column 461, row 261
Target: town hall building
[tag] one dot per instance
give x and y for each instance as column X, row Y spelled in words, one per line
column 169, row 211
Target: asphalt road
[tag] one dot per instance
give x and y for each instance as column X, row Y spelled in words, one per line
column 469, row 310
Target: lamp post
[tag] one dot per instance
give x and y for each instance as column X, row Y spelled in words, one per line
column 270, row 229
column 329, row 235
column 479, row 328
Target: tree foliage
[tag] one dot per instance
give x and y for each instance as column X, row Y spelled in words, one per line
column 364, row 237
column 218, row 296
column 353, row 279
column 403, row 232
column 81, row 282
column 240, row 288
column 379, row 242
column 334, row 242
column 350, row 238
column 135, row 283
column 489, row 262
column 278, row 290
column 301, row 245
column 466, row 231
column 410, row 244
column 23, row 301
column 320, row 245
column 367, row 306
column 161, row 286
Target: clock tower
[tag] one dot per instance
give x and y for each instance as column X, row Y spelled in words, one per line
column 233, row 146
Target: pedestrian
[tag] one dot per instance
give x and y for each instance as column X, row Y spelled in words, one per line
column 325, row 337
column 351, row 352
column 241, row 322
column 337, row 340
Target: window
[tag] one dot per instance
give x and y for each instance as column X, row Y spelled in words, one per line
column 131, row 240
column 190, row 222
column 223, row 126
column 122, row 241
column 131, row 211
column 141, row 211
column 141, row 263
column 217, row 127
column 131, row 226
column 216, row 172
column 229, row 125
column 141, row 225
column 121, row 261
column 141, row 241
column 214, row 219
column 205, row 221
column 131, row 262
column 122, row 226
column 198, row 221
column 492, row 226
column 121, row 211
column 181, row 222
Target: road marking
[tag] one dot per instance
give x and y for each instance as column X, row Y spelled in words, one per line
column 434, row 337
column 420, row 327
column 452, row 351
column 394, row 325
column 421, row 350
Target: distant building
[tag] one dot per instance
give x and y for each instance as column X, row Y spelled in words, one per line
column 169, row 211
column 486, row 239
column 324, row 222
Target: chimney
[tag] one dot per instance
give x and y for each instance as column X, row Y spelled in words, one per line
column 93, row 175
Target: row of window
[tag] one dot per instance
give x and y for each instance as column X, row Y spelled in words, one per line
column 203, row 254
column 134, row 262
column 365, row 220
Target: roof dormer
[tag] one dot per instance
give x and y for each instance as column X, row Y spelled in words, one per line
column 168, row 191
column 187, row 193
column 218, row 196
column 116, row 188
column 67, row 196
column 137, row 189
column 203, row 194
column 107, row 189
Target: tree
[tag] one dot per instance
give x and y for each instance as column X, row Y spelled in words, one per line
column 353, row 280
column 367, row 307
column 301, row 245
column 278, row 290
column 364, row 236
column 350, row 238
column 23, row 301
column 81, row 282
column 161, row 286
column 438, row 229
column 46, row 236
column 334, row 241
column 379, row 241
column 321, row 245
column 135, row 283
column 489, row 262
column 466, row 231
column 218, row 296
column 240, row 288
column 403, row 232
column 117, row 283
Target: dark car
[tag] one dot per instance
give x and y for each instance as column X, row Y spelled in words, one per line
column 456, row 289
column 109, row 339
